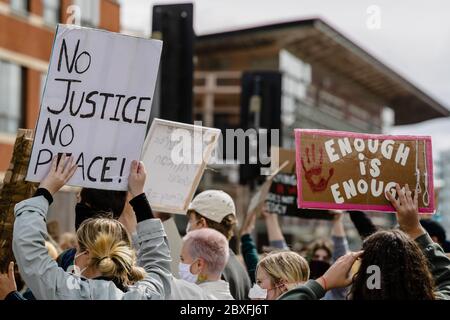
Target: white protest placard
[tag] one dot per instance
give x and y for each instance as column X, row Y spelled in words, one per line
column 96, row 105
column 175, row 156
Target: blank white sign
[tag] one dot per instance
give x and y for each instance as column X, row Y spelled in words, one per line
column 170, row 184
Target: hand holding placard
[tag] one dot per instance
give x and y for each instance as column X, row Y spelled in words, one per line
column 249, row 223
column 406, row 207
column 137, row 178
column 60, row 172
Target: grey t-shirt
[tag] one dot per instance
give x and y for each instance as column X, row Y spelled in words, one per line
column 236, row 275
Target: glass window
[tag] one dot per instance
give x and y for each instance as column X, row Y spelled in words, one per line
column 20, row 6
column 10, row 96
column 51, row 11
column 90, row 12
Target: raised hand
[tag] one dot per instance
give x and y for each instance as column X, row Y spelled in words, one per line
column 338, row 275
column 249, row 223
column 136, row 179
column 265, row 213
column 338, row 215
column 338, row 229
column 7, row 282
column 407, row 211
column 59, row 173
column 313, row 168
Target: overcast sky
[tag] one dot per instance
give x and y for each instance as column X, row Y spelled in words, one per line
column 413, row 38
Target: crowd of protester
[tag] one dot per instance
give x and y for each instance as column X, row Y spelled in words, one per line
column 120, row 251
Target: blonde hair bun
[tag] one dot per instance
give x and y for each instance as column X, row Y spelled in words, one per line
column 110, row 250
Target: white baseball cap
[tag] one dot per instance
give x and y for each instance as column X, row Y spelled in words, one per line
column 213, row 204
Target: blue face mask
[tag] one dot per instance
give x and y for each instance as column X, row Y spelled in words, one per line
column 185, row 273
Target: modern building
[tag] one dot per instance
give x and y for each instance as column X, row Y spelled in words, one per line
column 26, row 36
column 328, row 80
column 443, row 174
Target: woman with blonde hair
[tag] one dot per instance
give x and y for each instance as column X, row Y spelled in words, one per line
column 277, row 273
column 104, row 264
column 104, row 248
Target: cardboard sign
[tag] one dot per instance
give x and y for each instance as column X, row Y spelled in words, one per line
column 282, row 195
column 345, row 170
column 175, row 156
column 96, row 105
column 13, row 190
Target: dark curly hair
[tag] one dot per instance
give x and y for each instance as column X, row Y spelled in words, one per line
column 404, row 269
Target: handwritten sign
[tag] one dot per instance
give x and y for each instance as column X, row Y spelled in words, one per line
column 96, row 105
column 282, row 195
column 344, row 170
column 175, row 155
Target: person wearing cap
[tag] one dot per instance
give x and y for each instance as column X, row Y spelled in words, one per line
column 215, row 209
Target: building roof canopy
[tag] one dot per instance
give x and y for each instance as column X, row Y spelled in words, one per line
column 317, row 42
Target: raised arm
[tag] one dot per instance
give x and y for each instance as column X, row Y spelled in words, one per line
column 276, row 237
column 340, row 248
column 338, row 236
column 153, row 254
column 248, row 247
column 406, row 207
column 39, row 271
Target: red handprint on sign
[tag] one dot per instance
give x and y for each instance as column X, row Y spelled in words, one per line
column 313, row 174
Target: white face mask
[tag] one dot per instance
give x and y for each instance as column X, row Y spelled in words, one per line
column 256, row 292
column 185, row 273
column 76, row 270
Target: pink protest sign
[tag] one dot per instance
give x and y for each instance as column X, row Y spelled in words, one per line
column 352, row 171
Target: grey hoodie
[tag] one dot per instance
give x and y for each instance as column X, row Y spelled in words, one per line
column 47, row 281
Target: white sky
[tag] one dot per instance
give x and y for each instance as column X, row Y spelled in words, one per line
column 436, row 128
column 413, row 38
